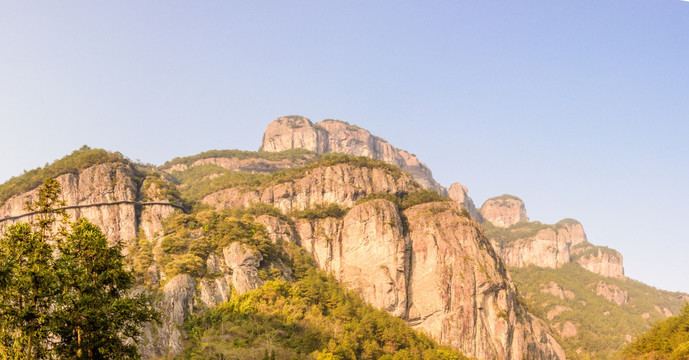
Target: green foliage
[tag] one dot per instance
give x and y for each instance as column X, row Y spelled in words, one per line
column 320, row 211
column 314, row 318
column 521, row 230
column 668, row 339
column 405, row 200
column 93, row 316
column 63, row 291
column 155, row 188
column 502, row 199
column 602, row 326
column 293, row 155
column 77, row 160
column 199, row 181
column 190, row 238
column 588, row 249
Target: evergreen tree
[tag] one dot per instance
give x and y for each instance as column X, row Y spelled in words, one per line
column 63, row 291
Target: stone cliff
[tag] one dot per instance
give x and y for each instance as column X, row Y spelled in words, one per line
column 522, row 243
column 109, row 196
column 440, row 275
column 460, row 194
column 504, row 211
column 333, row 136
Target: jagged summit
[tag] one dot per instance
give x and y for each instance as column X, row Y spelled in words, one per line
column 335, row 136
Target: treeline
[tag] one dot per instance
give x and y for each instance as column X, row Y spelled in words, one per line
column 79, row 159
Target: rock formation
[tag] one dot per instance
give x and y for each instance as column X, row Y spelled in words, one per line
column 460, row 194
column 442, row 277
column 612, row 292
column 343, row 184
column 333, row 136
column 504, row 211
column 600, row 260
column 108, row 196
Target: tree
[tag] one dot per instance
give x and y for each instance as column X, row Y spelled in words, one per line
column 64, row 291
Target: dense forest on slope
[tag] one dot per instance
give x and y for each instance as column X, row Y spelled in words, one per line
column 571, row 295
column 667, row 340
column 298, row 313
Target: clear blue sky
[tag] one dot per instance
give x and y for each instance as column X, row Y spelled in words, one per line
column 579, row 108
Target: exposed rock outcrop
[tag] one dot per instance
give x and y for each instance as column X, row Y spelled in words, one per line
column 504, row 211
column 442, row 277
column 555, row 289
column 599, row 260
column 243, row 263
column 460, row 194
column 253, row 165
column 335, row 136
column 343, row 184
column 107, row 195
column 612, row 292
column 176, row 305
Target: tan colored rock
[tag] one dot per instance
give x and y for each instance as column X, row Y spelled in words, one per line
column 603, row 261
column 457, row 290
column 253, row 165
column 294, row 132
column 557, row 310
column 216, row 291
column 612, row 293
column 243, row 262
column 176, row 305
column 556, row 290
column 277, row 229
column 504, row 211
column 374, row 256
column 343, row 184
column 339, row 137
column 645, row 316
column 460, row 194
column 569, row 330
column 462, row 296
column 546, row 249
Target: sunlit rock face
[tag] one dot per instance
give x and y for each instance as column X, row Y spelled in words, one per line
column 334, row 136
column 504, row 211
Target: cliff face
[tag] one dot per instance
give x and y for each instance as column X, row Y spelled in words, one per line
column 338, row 137
column 441, row 277
column 504, row 211
column 105, row 194
column 460, row 194
column 603, row 261
column 343, row 184
column 522, row 243
column 253, row 165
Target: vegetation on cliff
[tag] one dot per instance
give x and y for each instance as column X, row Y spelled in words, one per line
column 63, row 290
column 667, row 340
column 602, row 326
column 78, row 160
column 199, row 181
column 292, row 155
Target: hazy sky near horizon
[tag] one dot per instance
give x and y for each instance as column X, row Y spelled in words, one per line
column 579, row 108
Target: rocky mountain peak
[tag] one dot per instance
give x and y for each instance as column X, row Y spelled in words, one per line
column 335, row 136
column 460, row 194
column 504, row 211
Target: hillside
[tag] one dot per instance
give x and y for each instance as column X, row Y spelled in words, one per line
column 667, row 340
column 345, row 247
column 577, row 288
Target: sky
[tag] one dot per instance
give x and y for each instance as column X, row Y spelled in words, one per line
column 579, row 108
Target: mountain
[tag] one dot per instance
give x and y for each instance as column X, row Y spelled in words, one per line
column 334, row 136
column 577, row 288
column 329, row 241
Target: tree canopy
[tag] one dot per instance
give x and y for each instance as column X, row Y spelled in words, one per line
column 64, row 291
